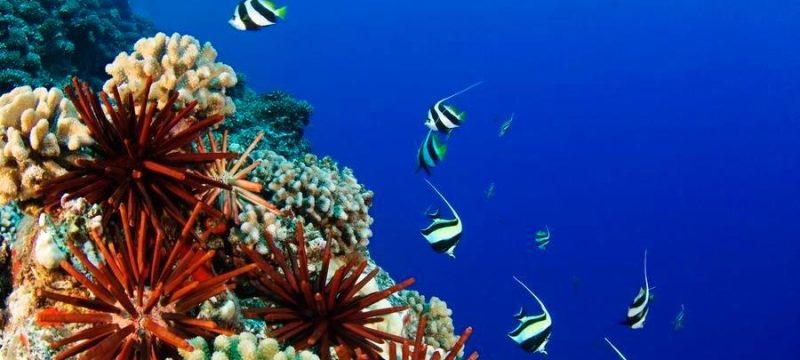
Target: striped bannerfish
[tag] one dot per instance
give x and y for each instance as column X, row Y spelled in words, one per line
column 543, row 238
column 430, row 153
column 637, row 311
column 445, row 118
column 256, row 14
column 533, row 331
column 615, row 349
column 443, row 234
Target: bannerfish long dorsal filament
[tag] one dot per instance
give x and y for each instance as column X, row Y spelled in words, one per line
column 615, row 349
column 533, row 332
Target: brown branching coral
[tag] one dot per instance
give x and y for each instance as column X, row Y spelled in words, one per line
column 140, row 158
column 241, row 190
column 419, row 349
column 140, row 308
column 321, row 311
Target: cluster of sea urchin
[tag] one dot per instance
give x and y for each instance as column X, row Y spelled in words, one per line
column 143, row 159
column 143, row 167
column 138, row 305
column 328, row 313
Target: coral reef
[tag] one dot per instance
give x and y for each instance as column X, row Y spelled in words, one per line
column 244, row 346
column 331, row 202
column 44, row 42
column 160, row 279
column 138, row 159
column 439, row 329
column 140, row 304
column 38, row 131
column 174, row 63
column 230, row 201
column 420, row 350
column 321, row 311
column 280, row 116
column 10, row 216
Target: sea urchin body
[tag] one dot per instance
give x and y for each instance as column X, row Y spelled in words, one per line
column 138, row 305
column 140, row 159
column 322, row 312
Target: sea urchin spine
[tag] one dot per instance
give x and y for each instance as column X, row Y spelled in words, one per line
column 137, row 305
column 327, row 313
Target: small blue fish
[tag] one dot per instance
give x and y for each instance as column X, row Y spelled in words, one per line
column 506, row 126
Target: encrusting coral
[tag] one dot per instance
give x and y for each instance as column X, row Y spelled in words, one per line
column 44, row 42
column 280, row 116
column 439, row 331
column 140, row 303
column 38, row 130
column 10, row 216
column 244, row 346
column 321, row 311
column 328, row 200
column 138, row 159
column 178, row 63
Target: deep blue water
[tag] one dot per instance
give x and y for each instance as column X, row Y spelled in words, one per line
column 667, row 125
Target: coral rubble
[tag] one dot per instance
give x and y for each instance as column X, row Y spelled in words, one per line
column 44, row 42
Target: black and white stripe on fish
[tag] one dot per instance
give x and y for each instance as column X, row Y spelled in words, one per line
column 444, row 118
column 256, row 14
column 533, row 331
column 443, row 234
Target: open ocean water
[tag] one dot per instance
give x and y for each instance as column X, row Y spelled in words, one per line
column 669, row 125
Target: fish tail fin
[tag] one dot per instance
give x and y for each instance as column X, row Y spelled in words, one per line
column 281, row 13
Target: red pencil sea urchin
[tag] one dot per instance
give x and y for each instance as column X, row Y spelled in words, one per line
column 231, row 201
column 319, row 311
column 419, row 350
column 138, row 306
column 143, row 160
